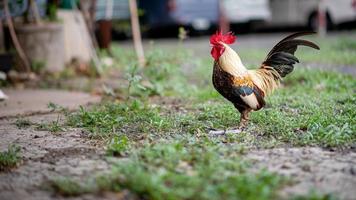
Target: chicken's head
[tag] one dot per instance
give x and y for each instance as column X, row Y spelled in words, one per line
column 217, row 40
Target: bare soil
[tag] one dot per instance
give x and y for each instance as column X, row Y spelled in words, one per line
column 48, row 155
column 325, row 171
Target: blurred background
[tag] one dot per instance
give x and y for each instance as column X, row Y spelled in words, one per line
column 117, row 95
column 39, row 38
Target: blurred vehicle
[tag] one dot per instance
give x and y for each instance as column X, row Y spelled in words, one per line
column 112, row 9
column 247, row 11
column 305, row 12
column 198, row 15
column 17, row 8
column 113, row 17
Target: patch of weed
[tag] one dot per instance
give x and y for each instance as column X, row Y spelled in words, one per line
column 111, row 119
column 22, row 123
column 316, row 108
column 314, row 196
column 135, row 87
column 167, row 153
column 55, row 107
column 181, row 168
column 192, row 169
column 10, row 158
column 313, row 108
column 162, row 74
column 53, row 127
column 68, row 187
column 118, row 145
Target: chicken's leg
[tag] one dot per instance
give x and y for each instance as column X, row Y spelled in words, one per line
column 244, row 118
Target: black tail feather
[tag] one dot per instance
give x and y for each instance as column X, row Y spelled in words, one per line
column 281, row 58
column 290, row 37
column 291, row 46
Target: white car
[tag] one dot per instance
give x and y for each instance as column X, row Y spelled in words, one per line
column 246, row 11
column 304, row 12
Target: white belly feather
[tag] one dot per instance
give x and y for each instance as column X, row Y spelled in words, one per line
column 250, row 100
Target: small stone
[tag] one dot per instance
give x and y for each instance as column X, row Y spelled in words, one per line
column 287, row 165
column 306, row 168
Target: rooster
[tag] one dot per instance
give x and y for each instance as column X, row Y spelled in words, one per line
column 244, row 88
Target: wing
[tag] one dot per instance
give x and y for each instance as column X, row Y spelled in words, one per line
column 250, row 95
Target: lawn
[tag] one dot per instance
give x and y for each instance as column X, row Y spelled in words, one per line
column 156, row 126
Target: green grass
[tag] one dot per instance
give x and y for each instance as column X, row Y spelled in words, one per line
column 191, row 168
column 53, row 127
column 313, row 108
column 110, row 119
column 182, row 168
column 10, row 158
column 118, row 145
column 168, row 154
column 66, row 186
column 164, row 150
column 23, row 123
column 315, row 196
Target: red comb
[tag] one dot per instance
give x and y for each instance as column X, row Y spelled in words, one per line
column 227, row 38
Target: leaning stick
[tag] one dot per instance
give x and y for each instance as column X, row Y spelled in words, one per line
column 136, row 33
column 36, row 13
column 14, row 38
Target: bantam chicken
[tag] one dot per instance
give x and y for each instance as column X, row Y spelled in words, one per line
column 245, row 88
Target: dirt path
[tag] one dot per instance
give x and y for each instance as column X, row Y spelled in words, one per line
column 48, row 155
column 311, row 168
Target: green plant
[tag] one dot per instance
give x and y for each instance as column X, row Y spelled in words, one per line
column 53, row 127
column 192, row 169
column 182, row 34
column 134, row 83
column 118, row 145
column 55, row 107
column 52, row 11
column 10, row 158
column 22, row 123
column 112, row 119
column 161, row 76
column 181, row 168
column 38, row 65
column 315, row 196
column 68, row 187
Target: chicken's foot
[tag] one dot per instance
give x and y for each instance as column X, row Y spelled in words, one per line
column 244, row 118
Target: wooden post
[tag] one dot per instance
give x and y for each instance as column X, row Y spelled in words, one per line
column 224, row 24
column 35, row 12
column 88, row 11
column 89, row 15
column 136, row 33
column 16, row 42
column 322, row 23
